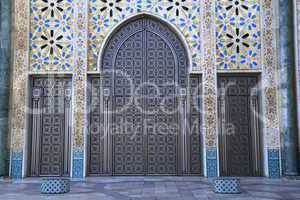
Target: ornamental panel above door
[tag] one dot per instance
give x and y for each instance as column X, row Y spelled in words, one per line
column 141, row 105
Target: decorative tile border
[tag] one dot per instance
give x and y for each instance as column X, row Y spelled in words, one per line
column 270, row 87
column 19, row 79
column 209, row 84
column 270, row 77
column 80, row 81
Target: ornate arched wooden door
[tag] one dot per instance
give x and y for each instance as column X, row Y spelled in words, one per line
column 140, row 102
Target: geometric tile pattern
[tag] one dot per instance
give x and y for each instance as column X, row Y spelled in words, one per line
column 274, row 163
column 51, row 35
column 52, row 30
column 78, row 163
column 162, row 8
column 211, row 162
column 105, row 14
column 55, row 186
column 238, row 34
column 227, row 185
column 16, row 164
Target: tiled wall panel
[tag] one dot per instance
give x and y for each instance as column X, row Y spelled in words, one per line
column 238, row 34
column 51, row 35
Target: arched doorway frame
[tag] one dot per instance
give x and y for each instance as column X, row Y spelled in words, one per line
column 181, row 38
column 131, row 18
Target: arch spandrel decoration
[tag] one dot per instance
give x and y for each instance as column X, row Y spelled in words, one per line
column 238, row 35
column 52, row 30
column 185, row 16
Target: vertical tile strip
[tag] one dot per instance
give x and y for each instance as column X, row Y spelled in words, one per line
column 19, row 85
column 270, row 87
column 209, row 87
column 80, row 80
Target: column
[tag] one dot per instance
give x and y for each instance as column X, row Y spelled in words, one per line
column 5, row 23
column 297, row 24
column 288, row 91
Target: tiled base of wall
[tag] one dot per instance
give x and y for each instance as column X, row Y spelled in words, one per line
column 78, row 164
column 274, row 163
column 211, row 162
column 16, row 164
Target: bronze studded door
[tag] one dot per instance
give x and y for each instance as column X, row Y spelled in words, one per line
column 239, row 127
column 160, row 104
column 137, row 107
column 50, row 127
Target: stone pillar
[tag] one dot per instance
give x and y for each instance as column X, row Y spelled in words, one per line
column 288, row 91
column 297, row 16
column 5, row 22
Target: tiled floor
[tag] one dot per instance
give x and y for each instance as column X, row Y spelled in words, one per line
column 153, row 188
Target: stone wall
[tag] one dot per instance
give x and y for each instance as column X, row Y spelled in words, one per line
column 5, row 23
column 297, row 18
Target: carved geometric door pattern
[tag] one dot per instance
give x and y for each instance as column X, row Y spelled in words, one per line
column 239, row 126
column 136, row 108
column 50, row 126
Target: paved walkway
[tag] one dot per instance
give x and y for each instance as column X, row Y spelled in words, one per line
column 153, row 188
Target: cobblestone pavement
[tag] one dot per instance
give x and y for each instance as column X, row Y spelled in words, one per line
column 152, row 188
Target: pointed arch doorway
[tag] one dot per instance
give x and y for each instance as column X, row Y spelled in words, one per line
column 142, row 121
